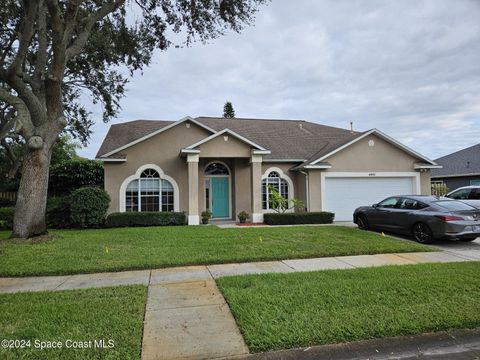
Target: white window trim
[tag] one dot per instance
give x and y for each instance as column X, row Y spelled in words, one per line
column 289, row 181
column 229, row 189
column 372, row 174
column 136, row 176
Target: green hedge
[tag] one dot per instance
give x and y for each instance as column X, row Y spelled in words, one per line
column 88, row 207
column 58, row 212
column 147, row 218
column 6, row 218
column 69, row 175
column 322, row 217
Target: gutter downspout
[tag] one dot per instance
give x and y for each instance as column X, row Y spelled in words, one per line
column 307, row 189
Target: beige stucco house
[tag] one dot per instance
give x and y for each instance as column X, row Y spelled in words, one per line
column 227, row 165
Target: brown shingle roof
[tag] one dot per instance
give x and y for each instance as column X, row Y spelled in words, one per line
column 286, row 139
column 122, row 134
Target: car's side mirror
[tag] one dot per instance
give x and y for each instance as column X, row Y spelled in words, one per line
column 375, row 206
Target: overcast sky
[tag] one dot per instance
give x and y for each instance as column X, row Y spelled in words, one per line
column 408, row 68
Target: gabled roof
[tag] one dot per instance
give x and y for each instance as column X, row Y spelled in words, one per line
column 294, row 140
column 229, row 132
column 460, row 163
column 286, row 139
column 329, row 152
column 122, row 136
column 298, row 141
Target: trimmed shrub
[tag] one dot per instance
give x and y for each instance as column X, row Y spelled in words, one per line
column 146, row 218
column 69, row 175
column 88, row 207
column 6, row 218
column 58, row 212
column 322, row 217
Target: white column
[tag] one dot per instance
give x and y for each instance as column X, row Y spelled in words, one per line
column 193, row 216
column 256, row 182
column 315, row 190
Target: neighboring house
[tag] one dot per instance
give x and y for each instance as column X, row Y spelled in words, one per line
column 459, row 169
column 226, row 165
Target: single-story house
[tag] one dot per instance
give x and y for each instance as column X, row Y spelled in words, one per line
column 226, row 166
column 461, row 168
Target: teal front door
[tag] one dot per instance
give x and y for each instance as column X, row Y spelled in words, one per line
column 220, row 197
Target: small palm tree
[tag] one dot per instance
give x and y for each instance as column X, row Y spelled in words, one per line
column 280, row 204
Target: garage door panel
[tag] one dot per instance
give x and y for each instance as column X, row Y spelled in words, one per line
column 344, row 195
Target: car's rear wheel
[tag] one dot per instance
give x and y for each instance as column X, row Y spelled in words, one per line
column 422, row 233
column 362, row 222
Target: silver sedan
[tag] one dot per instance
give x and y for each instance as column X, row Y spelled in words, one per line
column 426, row 218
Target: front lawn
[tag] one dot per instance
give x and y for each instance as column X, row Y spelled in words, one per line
column 74, row 318
column 280, row 311
column 86, row 251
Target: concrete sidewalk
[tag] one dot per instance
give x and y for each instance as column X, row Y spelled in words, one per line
column 210, row 272
column 189, row 320
column 186, row 316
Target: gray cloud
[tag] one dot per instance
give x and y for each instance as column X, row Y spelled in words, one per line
column 409, row 68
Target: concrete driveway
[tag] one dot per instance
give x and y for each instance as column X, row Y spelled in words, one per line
column 468, row 248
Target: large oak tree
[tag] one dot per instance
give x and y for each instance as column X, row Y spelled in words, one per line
column 53, row 51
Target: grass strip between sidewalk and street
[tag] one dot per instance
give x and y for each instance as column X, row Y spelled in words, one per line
column 284, row 311
column 106, row 250
column 73, row 318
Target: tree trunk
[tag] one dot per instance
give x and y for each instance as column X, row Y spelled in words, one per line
column 29, row 219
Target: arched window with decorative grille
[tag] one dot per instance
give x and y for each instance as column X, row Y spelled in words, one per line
column 149, row 191
column 274, row 180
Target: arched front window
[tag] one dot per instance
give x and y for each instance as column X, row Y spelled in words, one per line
column 149, row 193
column 216, row 169
column 273, row 180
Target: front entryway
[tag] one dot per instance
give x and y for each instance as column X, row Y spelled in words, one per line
column 220, row 201
column 217, row 190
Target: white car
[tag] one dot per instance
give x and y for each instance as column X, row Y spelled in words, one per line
column 467, row 194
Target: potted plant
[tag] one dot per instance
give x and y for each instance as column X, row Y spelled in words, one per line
column 206, row 215
column 243, row 216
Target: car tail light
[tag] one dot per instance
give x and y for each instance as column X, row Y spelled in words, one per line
column 447, row 218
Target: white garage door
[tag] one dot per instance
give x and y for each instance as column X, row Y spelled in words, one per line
column 344, row 195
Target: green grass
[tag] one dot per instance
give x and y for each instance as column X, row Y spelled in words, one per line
column 280, row 311
column 84, row 251
column 109, row 313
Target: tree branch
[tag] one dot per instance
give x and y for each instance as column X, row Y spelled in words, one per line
column 57, row 67
column 23, row 121
column 14, row 160
column 42, row 53
column 27, row 30
column 8, row 46
column 80, row 41
column 35, row 107
column 7, row 121
column 71, row 18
